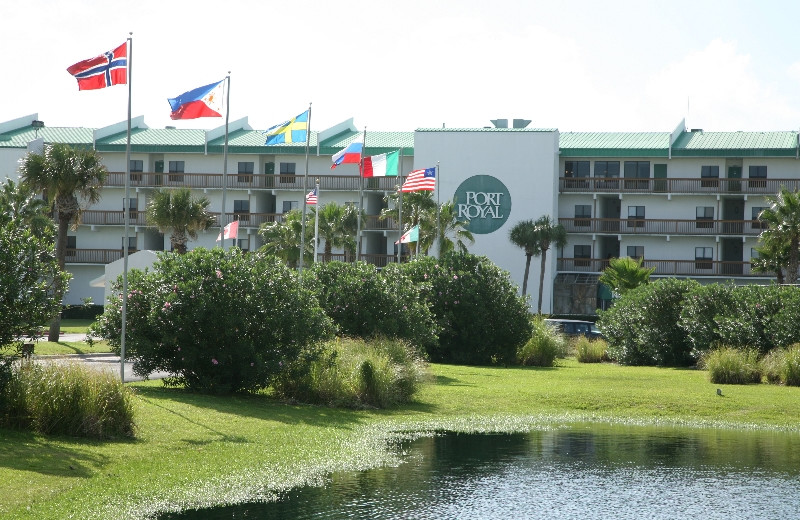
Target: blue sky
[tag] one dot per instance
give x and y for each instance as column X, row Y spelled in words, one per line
column 571, row 65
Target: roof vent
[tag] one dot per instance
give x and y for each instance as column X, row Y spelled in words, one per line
column 500, row 123
column 521, row 123
column 170, row 127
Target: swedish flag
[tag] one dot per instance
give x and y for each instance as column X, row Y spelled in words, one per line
column 291, row 131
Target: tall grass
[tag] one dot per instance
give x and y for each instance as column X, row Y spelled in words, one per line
column 591, row 350
column 782, row 366
column 66, row 399
column 545, row 345
column 727, row 365
column 354, row 373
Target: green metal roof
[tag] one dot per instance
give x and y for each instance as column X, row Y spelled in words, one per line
column 614, row 144
column 487, row 129
column 76, row 136
column 743, row 144
column 155, row 140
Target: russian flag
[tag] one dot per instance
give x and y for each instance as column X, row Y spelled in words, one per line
column 349, row 155
column 203, row 101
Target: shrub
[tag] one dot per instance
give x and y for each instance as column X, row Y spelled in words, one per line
column 220, row 321
column 591, row 350
column 356, row 373
column 746, row 322
column 480, row 317
column 783, row 365
column 701, row 306
column 67, row 400
column 728, row 365
column 365, row 303
column 544, row 346
column 772, row 365
column 642, row 328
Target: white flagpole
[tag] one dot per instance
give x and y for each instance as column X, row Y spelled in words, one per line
column 305, row 187
column 438, row 208
column 360, row 195
column 127, row 216
column 223, row 215
column 316, row 224
column 400, row 213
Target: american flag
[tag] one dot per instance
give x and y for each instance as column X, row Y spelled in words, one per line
column 420, row 180
column 311, row 197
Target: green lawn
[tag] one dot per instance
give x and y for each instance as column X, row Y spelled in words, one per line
column 202, row 450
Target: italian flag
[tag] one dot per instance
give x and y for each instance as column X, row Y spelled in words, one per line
column 384, row 165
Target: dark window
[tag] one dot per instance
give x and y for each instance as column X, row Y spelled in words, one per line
column 636, row 252
column 635, row 216
column 287, row 171
column 706, row 174
column 576, row 168
column 583, row 214
column 704, row 217
column 72, row 245
column 246, row 170
column 759, row 173
column 176, row 167
column 289, row 205
column 133, row 206
column 606, row 169
column 131, row 243
column 637, row 170
column 137, row 167
column 757, row 222
column 703, row 257
column 241, row 210
column 583, row 255
column 243, row 244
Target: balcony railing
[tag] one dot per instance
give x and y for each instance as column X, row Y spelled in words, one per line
column 668, row 185
column 693, row 268
column 253, row 181
column 111, row 218
column 94, row 256
column 634, row 226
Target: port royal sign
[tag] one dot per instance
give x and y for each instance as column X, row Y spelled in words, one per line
column 484, row 202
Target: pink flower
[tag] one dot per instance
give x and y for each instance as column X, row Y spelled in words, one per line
column 251, row 364
column 455, row 277
column 214, row 361
column 219, row 274
column 167, row 305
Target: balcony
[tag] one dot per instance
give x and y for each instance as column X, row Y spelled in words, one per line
column 94, row 256
column 633, row 226
column 688, row 268
column 711, row 186
column 110, row 218
column 252, row 181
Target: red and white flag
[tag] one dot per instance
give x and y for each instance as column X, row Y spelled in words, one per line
column 110, row 68
column 231, row 231
column 420, row 180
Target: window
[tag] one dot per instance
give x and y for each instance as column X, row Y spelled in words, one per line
column 246, row 170
column 289, row 205
column 606, row 169
column 241, row 210
column 706, row 174
column 133, row 207
column 72, row 245
column 176, row 167
column 583, row 214
column 636, row 252
column 136, row 167
column 573, row 169
column 705, row 217
column 758, row 177
column 583, row 255
column 287, row 171
column 703, row 257
column 131, row 243
column 635, row 216
column 757, row 223
column 243, row 244
column 754, row 254
column 637, row 170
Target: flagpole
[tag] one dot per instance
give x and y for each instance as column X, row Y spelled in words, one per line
column 316, row 224
column 360, row 195
column 400, row 212
column 305, row 187
column 223, row 216
column 438, row 219
column 127, row 216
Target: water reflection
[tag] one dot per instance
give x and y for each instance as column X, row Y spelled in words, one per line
column 594, row 471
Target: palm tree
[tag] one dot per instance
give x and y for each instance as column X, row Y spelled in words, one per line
column 449, row 225
column 338, row 226
column 783, row 224
column 64, row 174
column 19, row 203
column 536, row 238
column 282, row 237
column 773, row 255
column 419, row 208
column 624, row 274
column 178, row 211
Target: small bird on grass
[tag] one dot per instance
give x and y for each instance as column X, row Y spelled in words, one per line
column 719, row 391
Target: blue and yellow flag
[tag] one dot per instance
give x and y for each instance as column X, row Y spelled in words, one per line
column 291, row 131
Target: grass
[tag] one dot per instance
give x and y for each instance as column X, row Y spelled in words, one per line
column 200, row 450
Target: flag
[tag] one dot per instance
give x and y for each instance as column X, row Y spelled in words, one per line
column 412, row 235
column 349, row 155
column 291, row 131
column 110, row 68
column 420, row 180
column 311, row 196
column 384, row 165
column 203, row 101
column 231, row 231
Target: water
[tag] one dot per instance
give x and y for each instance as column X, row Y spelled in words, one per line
column 583, row 472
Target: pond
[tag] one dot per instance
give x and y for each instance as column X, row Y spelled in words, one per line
column 578, row 472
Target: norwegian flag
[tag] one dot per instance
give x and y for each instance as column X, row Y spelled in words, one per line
column 110, row 68
column 311, row 196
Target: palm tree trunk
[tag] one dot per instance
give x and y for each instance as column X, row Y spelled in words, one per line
column 527, row 270
column 791, row 272
column 58, row 287
column 541, row 280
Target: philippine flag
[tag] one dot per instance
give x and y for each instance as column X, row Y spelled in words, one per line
column 201, row 102
column 349, row 155
column 110, row 68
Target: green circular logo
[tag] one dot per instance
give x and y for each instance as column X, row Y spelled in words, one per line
column 484, row 202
